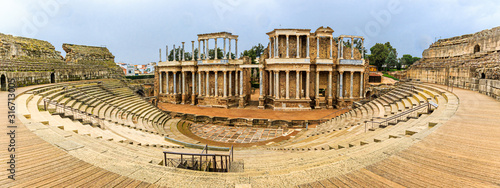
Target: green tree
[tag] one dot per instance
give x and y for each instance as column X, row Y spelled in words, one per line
column 254, row 52
column 379, row 54
column 391, row 61
column 408, row 60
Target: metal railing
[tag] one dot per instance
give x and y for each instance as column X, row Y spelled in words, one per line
column 77, row 114
column 399, row 116
column 200, row 161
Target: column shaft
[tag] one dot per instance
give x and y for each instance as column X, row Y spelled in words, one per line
column 260, row 83
column 317, row 46
column 175, row 83
column 270, row 83
column 241, row 83
column 224, row 49
column 193, row 79
column 168, row 88
column 183, row 90
column 287, row 47
column 350, row 93
column 215, row 53
column 352, row 48
column 307, row 84
column 317, row 85
column 236, row 48
column 330, row 84
column 225, row 84
column 287, row 89
column 216, row 84
column 297, row 88
column 298, row 42
column 341, row 92
column 161, row 85
column 277, row 84
column 361, row 85
column 199, row 83
column 230, row 83
column 207, row 87
column 307, row 47
column 331, row 47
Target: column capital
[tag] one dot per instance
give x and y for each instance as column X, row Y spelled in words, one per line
column 287, row 71
column 341, row 72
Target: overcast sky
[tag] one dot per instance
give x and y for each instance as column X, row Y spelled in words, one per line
column 134, row 30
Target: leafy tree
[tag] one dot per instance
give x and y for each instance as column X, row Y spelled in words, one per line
column 391, row 61
column 254, row 52
column 380, row 53
column 408, row 60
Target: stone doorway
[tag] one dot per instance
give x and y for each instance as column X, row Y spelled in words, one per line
column 3, row 82
column 52, row 78
column 477, row 48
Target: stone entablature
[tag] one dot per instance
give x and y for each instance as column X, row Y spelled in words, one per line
column 470, row 45
column 204, row 81
column 300, row 68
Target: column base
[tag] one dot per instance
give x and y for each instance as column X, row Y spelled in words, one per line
column 261, row 103
column 241, row 102
column 183, row 99
column 329, row 103
column 193, row 99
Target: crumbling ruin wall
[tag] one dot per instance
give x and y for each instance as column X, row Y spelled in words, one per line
column 33, row 61
column 468, row 61
column 13, row 47
column 81, row 53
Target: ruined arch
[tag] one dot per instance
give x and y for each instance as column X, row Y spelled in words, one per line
column 3, row 82
column 483, row 76
column 477, row 48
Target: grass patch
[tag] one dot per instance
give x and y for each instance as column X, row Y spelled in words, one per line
column 389, row 76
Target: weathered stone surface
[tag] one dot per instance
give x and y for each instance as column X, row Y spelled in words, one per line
column 14, row 47
column 76, row 53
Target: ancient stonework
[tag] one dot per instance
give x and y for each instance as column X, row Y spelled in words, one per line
column 469, row 61
column 13, row 47
column 77, row 53
column 33, row 61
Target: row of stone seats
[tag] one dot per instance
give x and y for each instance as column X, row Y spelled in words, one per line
column 85, row 98
column 395, row 102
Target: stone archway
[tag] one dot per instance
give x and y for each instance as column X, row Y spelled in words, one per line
column 52, row 78
column 3, row 82
column 477, row 48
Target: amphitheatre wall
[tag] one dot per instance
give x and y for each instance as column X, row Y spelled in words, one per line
column 32, row 61
column 469, row 61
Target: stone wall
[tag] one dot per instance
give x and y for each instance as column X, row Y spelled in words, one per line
column 77, row 53
column 469, row 45
column 453, row 62
column 32, row 61
column 13, row 47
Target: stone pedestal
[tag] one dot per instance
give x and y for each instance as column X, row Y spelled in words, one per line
column 261, row 103
column 241, row 103
column 193, row 99
column 329, row 103
column 317, row 104
column 183, row 99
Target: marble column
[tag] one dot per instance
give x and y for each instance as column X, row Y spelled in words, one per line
column 216, row 84
column 225, row 57
column 236, row 48
column 260, row 83
column 225, row 84
column 341, row 92
column 175, row 83
column 166, row 53
column 199, row 83
column 352, row 49
column 339, row 49
column 307, row 84
column 230, row 57
column 160, row 54
column 287, row 89
column 175, row 56
column 317, row 46
column 287, row 47
column 330, row 84
column 193, row 79
column 207, row 86
column 192, row 50
column 168, row 88
column 161, row 84
column 206, row 50
column 241, row 83
column 317, row 85
column 361, row 84
column 277, row 53
column 350, row 93
column 270, row 46
column 215, row 52
column 270, row 83
column 199, row 50
column 183, row 90
column 307, row 47
column 230, row 83
column 276, row 84
column 362, row 47
column 331, row 47
column 297, row 88
column 182, row 51
column 236, row 93
column 298, row 42
column 342, row 49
